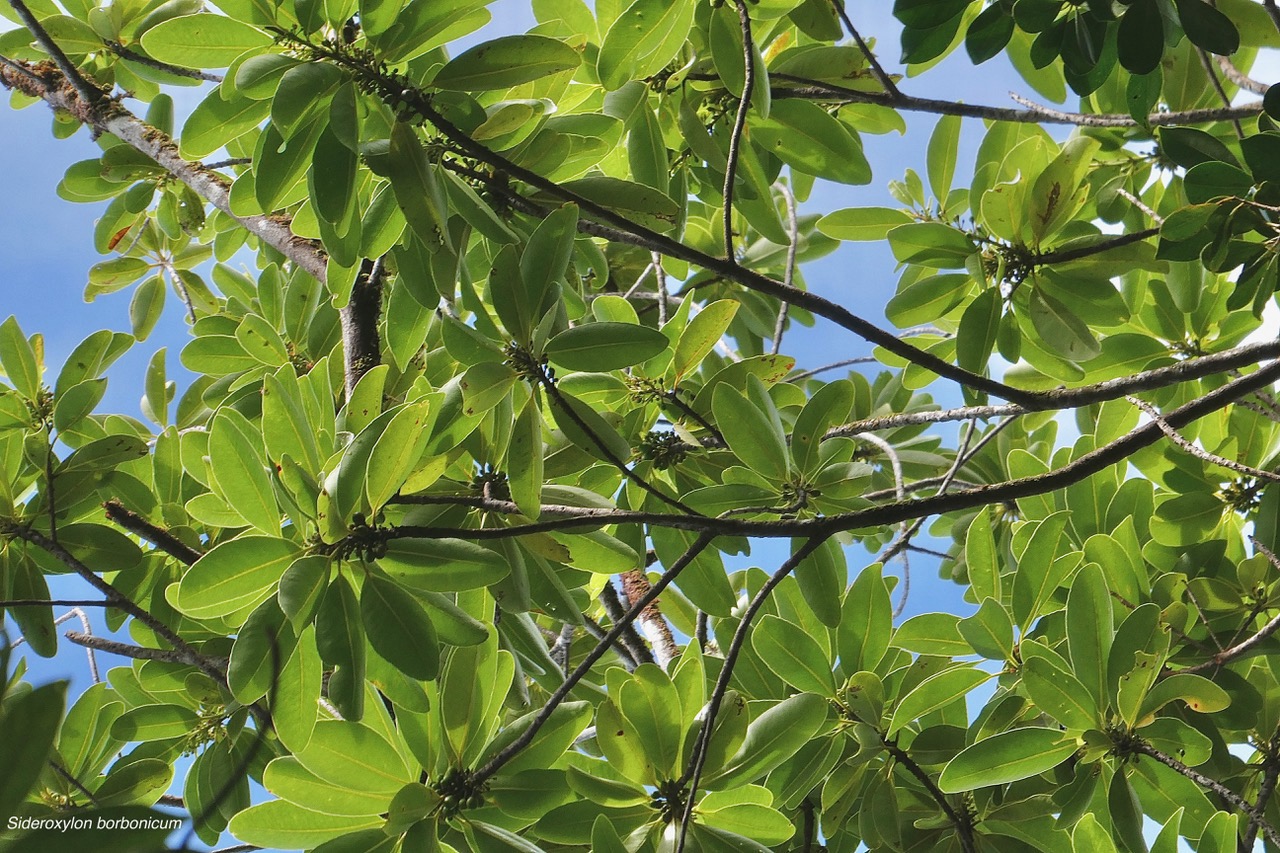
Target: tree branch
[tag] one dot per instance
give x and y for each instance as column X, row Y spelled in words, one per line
column 526, row 737
column 1228, row 796
column 803, row 87
column 361, row 347
column 159, row 537
column 127, row 650
column 739, row 123
column 964, row 827
column 631, row 640
column 635, row 585
column 187, row 654
column 177, row 70
column 890, row 88
column 112, row 118
column 693, row 773
column 89, row 93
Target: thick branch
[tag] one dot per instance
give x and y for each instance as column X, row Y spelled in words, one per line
column 803, row 87
column 209, row 185
column 361, row 347
column 654, row 625
column 631, row 640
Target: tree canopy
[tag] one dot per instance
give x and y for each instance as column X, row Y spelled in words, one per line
column 478, row 323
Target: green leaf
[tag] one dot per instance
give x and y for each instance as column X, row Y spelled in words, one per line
column 1089, row 630
column 525, row 460
column 417, row 188
column 1208, row 28
column 154, row 722
column 989, row 631
column 772, row 738
column 1005, row 757
column 808, row 138
column 1060, row 695
column 793, row 655
column 944, row 148
column 605, row 346
column 866, row 621
column 643, row 40
column 238, row 469
column 18, row 359
column 1138, row 38
column 36, row 715
column 202, row 41
column 650, row 704
column 1062, row 331
column 935, row 692
column 931, row 634
column 700, row 336
column 546, row 258
column 235, row 575
column 866, row 224
column 279, row 824
column 505, row 62
column 751, row 434
column 397, row 451
column 399, row 629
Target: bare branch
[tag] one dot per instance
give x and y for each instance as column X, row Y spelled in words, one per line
column 739, row 123
column 803, row 87
column 635, row 585
column 1226, row 794
column 159, row 537
column 1244, row 81
column 1213, row 458
column 526, row 737
column 126, row 650
column 788, row 276
column 177, row 70
column 890, row 88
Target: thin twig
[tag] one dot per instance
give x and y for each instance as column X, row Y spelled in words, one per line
column 1226, row 794
column 1267, row 787
column 1213, row 458
column 127, row 650
column 177, row 70
column 660, row 276
column 698, row 758
column 1141, row 205
column 788, row 275
column 960, row 820
column 890, row 88
column 1244, row 81
column 899, row 492
column 1207, row 65
column 739, row 123
column 526, row 737
column 621, row 464
column 1227, row 655
column 188, row 654
column 75, row 783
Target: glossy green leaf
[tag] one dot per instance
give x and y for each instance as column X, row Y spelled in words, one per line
column 605, row 346
column 506, row 61
column 234, row 575
column 1005, row 757
column 793, row 655
column 399, row 628
column 202, row 41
